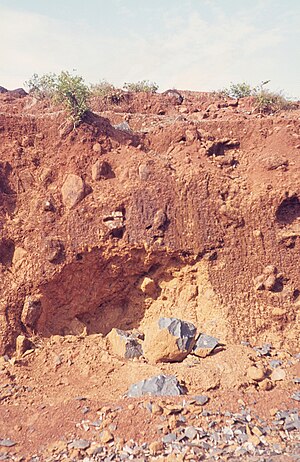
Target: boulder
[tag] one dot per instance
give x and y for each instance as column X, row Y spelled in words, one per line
column 125, row 344
column 169, row 340
column 73, row 190
column 31, row 312
column 204, row 345
column 160, row 385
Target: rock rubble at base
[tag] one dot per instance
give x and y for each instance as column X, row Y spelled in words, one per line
column 185, row 432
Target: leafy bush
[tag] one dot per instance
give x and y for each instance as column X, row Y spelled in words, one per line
column 70, row 90
column 141, row 86
column 102, row 89
column 42, row 87
column 237, row 90
column 268, row 101
column 265, row 100
column 74, row 94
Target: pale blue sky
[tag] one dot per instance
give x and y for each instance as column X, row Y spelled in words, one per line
column 188, row 44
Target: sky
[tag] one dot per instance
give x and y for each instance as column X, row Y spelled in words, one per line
column 199, row 45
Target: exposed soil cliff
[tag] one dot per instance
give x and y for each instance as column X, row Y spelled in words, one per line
column 198, row 194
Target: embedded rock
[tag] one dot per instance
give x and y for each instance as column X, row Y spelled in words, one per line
column 160, row 385
column 125, row 344
column 204, row 345
column 149, row 287
column 102, row 170
column 22, row 344
column 169, row 340
column 73, row 190
column 31, row 312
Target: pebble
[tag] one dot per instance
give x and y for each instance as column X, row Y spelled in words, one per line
column 7, row 443
column 278, row 374
column 106, row 436
column 80, row 444
column 296, row 396
column 156, row 447
column 201, row 399
column 190, row 433
column 256, row 373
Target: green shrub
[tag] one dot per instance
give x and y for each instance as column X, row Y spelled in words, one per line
column 265, row 100
column 268, row 101
column 70, row 90
column 237, row 90
column 42, row 87
column 141, row 86
column 102, row 89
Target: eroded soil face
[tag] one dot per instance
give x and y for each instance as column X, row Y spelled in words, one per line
column 200, row 195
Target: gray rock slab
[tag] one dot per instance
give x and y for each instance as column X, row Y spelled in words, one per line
column 201, row 399
column 160, row 385
column 205, row 344
column 185, row 331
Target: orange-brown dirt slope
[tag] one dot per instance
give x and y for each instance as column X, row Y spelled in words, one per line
column 200, row 195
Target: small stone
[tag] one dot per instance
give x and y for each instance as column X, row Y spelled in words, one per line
column 265, row 385
column 204, row 345
column 160, row 385
column 101, row 170
column 7, row 443
column 264, row 350
column 149, row 287
column 73, row 190
column 256, row 373
column 275, row 363
column 201, row 399
column 97, row 147
column 156, row 409
column 256, row 431
column 53, row 249
column 190, row 433
column 169, row 438
column 106, row 436
column 80, row 444
column 296, row 396
column 22, row 344
column 130, row 407
column 19, row 256
column 254, row 440
column 144, row 171
column 123, row 126
column 124, row 344
column 156, row 447
column 278, row 374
